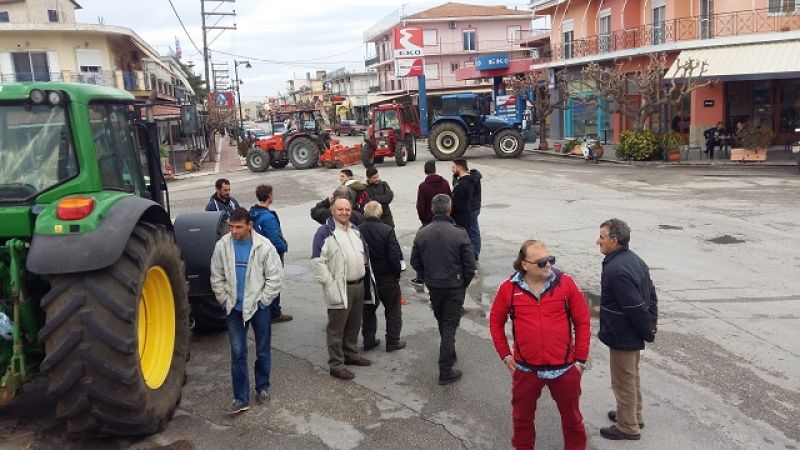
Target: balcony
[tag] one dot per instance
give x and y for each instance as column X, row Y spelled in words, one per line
column 139, row 82
column 738, row 23
column 29, row 77
column 372, row 61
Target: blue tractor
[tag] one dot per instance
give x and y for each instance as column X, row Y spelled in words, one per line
column 460, row 124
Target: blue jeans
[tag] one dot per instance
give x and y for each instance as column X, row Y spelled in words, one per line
column 237, row 333
column 475, row 232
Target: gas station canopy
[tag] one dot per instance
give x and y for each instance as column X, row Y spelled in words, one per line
column 494, row 65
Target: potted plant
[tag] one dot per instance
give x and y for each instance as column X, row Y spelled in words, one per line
column 754, row 143
column 572, row 147
column 671, row 143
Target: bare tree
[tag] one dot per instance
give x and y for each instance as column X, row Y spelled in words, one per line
column 544, row 102
column 219, row 117
column 650, row 83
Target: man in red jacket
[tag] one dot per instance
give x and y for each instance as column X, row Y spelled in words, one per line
column 546, row 308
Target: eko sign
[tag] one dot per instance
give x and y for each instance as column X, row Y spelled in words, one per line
column 409, row 67
column 408, row 42
column 491, row 62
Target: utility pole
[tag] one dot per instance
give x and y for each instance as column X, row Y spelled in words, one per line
column 219, row 15
column 239, row 88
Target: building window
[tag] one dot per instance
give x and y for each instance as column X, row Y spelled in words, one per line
column 52, row 14
column 430, row 37
column 453, row 67
column 568, row 38
column 513, row 33
column 470, row 44
column 432, row 71
column 3, row 16
column 604, row 31
column 659, row 26
column 31, row 66
column 783, row 6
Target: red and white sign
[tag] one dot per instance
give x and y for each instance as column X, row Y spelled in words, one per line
column 408, row 42
column 409, row 67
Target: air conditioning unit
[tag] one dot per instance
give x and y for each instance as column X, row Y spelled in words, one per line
column 451, row 25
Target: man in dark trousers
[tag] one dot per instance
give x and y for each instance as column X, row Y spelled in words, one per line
column 463, row 190
column 443, row 254
column 475, row 207
column 385, row 257
column 222, row 200
column 267, row 224
column 433, row 185
column 628, row 319
column 380, row 192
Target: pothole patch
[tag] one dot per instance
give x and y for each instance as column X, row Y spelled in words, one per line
column 670, row 227
column 726, row 239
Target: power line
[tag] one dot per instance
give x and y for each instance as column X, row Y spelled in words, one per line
column 297, row 62
column 178, row 16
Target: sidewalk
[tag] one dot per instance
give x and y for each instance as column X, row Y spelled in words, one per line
column 224, row 159
column 777, row 156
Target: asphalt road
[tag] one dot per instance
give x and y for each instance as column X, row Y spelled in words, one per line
column 724, row 373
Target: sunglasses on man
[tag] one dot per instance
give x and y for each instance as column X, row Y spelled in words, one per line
column 542, row 262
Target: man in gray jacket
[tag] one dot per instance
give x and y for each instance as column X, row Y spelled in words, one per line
column 341, row 265
column 246, row 275
column 443, row 254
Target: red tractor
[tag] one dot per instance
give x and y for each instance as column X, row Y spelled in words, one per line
column 392, row 132
column 306, row 138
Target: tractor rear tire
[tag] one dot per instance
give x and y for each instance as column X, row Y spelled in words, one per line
column 448, row 141
column 508, row 144
column 117, row 339
column 401, row 152
column 412, row 149
column 208, row 315
column 366, row 155
column 257, row 161
column 303, row 153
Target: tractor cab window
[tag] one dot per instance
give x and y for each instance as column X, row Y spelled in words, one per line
column 117, row 156
column 387, row 120
column 36, row 151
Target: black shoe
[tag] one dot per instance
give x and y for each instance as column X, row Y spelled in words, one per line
column 450, row 377
column 612, row 416
column 370, row 345
column 615, row 435
column 342, row 374
column 399, row 345
column 359, row 361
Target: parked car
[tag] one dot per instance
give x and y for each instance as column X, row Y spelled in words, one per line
column 348, row 127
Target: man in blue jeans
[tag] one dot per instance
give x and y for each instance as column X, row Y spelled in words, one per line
column 246, row 275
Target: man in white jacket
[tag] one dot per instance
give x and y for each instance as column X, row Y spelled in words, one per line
column 341, row 265
column 246, row 276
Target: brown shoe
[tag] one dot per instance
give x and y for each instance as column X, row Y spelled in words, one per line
column 615, row 435
column 612, row 416
column 282, row 318
column 358, row 361
column 342, row 374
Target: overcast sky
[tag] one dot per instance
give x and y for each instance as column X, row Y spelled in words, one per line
column 300, row 35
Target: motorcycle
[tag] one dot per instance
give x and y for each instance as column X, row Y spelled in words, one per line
column 592, row 149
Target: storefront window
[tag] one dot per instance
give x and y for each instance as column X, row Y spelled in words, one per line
column 789, row 118
column 584, row 119
column 762, row 103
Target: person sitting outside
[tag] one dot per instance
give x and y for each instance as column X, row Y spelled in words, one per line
column 712, row 136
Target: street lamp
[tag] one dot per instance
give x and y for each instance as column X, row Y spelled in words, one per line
column 238, row 89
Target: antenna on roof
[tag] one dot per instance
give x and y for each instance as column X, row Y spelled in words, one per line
column 101, row 20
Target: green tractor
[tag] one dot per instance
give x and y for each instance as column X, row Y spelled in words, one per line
column 93, row 291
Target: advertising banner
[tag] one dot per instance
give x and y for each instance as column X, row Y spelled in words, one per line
column 409, row 67
column 506, row 107
column 408, row 42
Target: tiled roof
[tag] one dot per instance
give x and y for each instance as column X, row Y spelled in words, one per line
column 164, row 111
column 452, row 9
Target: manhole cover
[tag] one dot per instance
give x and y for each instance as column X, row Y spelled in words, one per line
column 669, row 227
column 726, row 239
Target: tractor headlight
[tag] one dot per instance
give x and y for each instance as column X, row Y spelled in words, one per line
column 38, row 96
column 55, row 98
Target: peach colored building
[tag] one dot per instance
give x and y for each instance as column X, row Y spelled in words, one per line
column 751, row 48
column 454, row 35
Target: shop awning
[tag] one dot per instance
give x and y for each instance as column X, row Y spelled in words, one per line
column 746, row 62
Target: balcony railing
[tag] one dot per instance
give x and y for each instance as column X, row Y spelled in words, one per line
column 738, row 23
column 101, row 78
column 27, row 77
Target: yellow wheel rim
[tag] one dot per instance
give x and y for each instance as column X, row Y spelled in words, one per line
column 156, row 328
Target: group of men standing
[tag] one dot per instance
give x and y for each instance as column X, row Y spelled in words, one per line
column 359, row 268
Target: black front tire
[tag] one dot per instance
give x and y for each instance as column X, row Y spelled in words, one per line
column 366, row 155
column 508, row 144
column 208, row 315
column 448, row 141
column 412, row 149
column 401, row 152
column 257, row 161
column 93, row 343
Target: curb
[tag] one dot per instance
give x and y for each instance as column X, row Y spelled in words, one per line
column 703, row 163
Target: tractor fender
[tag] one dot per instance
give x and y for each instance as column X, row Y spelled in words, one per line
column 197, row 234
column 99, row 248
column 456, row 120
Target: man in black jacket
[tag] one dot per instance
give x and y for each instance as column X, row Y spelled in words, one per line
column 443, row 254
column 628, row 319
column 475, row 208
column 321, row 212
column 385, row 256
column 463, row 191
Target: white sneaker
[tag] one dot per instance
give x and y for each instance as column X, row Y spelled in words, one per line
column 402, row 266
